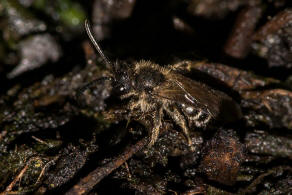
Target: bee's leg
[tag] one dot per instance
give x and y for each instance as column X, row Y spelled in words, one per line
column 183, row 66
column 123, row 112
column 157, row 117
column 115, row 114
column 180, row 120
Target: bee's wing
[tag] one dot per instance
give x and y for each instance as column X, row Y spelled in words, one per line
column 183, row 90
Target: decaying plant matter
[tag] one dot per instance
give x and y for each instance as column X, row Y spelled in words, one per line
column 238, row 50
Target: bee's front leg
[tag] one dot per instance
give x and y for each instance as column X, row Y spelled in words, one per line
column 157, row 117
column 117, row 114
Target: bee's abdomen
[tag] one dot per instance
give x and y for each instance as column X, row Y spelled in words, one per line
column 195, row 116
column 202, row 119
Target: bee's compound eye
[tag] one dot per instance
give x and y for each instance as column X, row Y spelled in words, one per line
column 122, row 89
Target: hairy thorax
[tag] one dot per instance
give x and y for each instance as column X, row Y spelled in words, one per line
column 147, row 76
column 143, row 102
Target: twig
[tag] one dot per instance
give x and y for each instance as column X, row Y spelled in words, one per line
column 17, row 178
column 252, row 187
column 128, row 170
column 41, row 141
column 45, row 167
column 9, row 188
column 87, row 183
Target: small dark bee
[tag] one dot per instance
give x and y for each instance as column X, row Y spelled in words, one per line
column 154, row 92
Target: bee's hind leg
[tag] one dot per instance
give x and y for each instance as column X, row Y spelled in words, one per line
column 184, row 65
column 181, row 121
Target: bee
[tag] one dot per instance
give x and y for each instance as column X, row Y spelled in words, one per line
column 154, row 92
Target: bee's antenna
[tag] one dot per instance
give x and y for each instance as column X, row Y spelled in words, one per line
column 94, row 42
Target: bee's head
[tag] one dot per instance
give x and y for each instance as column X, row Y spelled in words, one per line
column 123, row 78
column 121, row 74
